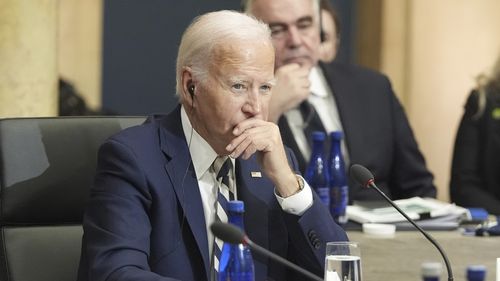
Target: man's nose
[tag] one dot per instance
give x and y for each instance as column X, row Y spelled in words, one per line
column 253, row 104
column 294, row 37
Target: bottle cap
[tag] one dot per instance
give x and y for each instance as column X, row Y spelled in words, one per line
column 318, row 135
column 431, row 269
column 337, row 135
column 235, row 206
column 476, row 272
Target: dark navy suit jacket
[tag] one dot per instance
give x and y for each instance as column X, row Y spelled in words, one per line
column 377, row 134
column 145, row 220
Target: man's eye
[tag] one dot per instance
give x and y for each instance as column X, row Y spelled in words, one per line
column 277, row 30
column 238, row 86
column 304, row 25
column 265, row 88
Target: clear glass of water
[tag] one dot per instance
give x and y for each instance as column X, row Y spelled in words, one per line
column 343, row 261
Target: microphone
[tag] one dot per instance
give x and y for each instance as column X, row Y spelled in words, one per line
column 232, row 234
column 364, row 177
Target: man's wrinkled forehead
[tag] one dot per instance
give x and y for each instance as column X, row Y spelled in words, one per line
column 240, row 56
column 228, row 54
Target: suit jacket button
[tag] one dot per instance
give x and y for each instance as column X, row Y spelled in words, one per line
column 313, row 238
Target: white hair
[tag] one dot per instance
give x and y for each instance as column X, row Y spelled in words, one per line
column 212, row 29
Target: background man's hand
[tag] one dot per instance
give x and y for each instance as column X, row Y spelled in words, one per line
column 292, row 87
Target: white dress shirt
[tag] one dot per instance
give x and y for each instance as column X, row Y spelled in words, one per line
column 203, row 155
column 322, row 99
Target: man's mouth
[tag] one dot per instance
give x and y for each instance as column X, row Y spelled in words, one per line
column 299, row 59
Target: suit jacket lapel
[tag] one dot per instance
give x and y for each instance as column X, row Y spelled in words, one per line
column 181, row 173
column 254, row 191
column 345, row 98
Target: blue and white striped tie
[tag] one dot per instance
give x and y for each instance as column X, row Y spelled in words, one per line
column 223, row 166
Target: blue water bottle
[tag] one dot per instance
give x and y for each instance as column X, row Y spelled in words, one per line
column 236, row 263
column 339, row 192
column 317, row 171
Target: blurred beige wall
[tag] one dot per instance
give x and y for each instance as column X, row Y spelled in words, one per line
column 79, row 41
column 432, row 51
column 42, row 40
column 28, row 58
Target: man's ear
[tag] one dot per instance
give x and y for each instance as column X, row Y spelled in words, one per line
column 188, row 86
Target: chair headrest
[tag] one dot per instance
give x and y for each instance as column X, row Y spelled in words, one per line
column 47, row 166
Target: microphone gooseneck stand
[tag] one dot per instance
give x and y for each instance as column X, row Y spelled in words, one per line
column 365, row 178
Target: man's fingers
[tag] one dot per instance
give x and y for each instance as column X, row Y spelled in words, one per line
column 292, row 72
column 249, row 151
column 241, row 147
column 253, row 139
column 247, row 124
column 288, row 67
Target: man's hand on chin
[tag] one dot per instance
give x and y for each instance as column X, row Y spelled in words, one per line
column 292, row 87
column 258, row 136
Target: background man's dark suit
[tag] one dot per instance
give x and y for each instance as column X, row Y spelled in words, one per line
column 145, row 216
column 377, row 134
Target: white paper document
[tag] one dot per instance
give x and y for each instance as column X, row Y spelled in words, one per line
column 417, row 208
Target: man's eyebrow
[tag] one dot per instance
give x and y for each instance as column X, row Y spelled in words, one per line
column 277, row 24
column 237, row 79
column 246, row 79
column 283, row 24
column 305, row 19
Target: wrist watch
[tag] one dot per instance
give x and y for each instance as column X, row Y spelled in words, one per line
column 300, row 181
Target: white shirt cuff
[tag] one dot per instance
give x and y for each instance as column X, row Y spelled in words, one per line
column 298, row 203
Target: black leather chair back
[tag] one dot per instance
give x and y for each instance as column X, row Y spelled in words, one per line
column 47, row 166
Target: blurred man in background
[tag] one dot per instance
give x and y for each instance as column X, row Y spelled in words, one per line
column 309, row 96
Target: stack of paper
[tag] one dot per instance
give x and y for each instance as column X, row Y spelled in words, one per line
column 428, row 211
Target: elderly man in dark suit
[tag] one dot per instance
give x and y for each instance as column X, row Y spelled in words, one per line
column 310, row 96
column 156, row 189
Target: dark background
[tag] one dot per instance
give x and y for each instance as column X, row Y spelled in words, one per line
column 140, row 47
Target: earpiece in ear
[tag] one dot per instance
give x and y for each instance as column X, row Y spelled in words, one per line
column 191, row 90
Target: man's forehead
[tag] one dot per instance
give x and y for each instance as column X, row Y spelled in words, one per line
column 243, row 57
column 242, row 48
column 242, row 70
column 283, row 11
column 233, row 53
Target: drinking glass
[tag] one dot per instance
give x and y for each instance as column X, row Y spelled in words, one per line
column 343, row 261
